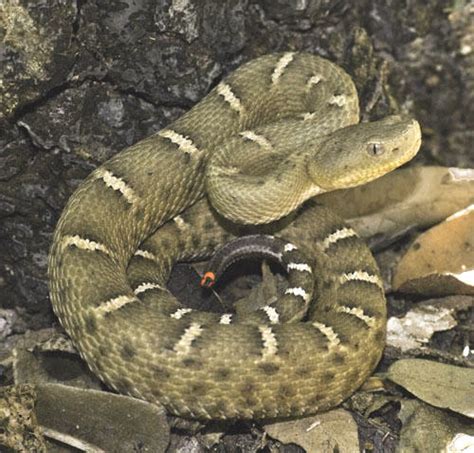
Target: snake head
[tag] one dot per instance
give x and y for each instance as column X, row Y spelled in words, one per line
column 358, row 154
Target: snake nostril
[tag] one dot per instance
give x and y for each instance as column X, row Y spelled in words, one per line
column 395, row 150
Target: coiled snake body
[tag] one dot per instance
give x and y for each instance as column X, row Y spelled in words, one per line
column 277, row 131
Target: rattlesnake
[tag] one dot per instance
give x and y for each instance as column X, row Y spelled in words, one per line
column 277, row 131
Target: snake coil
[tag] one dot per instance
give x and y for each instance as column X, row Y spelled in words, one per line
column 277, row 131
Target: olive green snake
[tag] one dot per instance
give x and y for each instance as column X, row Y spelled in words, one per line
column 277, row 131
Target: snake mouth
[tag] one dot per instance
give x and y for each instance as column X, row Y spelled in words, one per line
column 373, row 169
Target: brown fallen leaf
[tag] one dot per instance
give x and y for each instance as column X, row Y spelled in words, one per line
column 264, row 293
column 427, row 429
column 44, row 356
column 441, row 385
column 325, row 433
column 100, row 421
column 403, row 200
column 441, row 260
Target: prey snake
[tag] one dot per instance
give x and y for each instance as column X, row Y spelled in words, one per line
column 274, row 133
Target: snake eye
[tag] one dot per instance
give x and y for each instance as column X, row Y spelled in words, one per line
column 375, row 149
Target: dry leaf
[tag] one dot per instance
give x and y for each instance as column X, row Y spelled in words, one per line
column 402, row 200
column 100, row 421
column 35, row 362
column 59, row 342
column 418, row 326
column 440, row 385
column 325, row 433
column 441, row 261
column 426, row 429
column 263, row 294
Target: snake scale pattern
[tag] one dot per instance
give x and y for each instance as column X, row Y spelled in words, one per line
column 274, row 133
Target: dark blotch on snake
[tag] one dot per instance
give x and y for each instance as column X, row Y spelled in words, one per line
column 157, row 393
column 338, row 358
column 198, row 388
column 128, row 352
column 222, row 374
column 116, row 193
column 192, row 363
column 303, row 371
column 91, row 324
column 327, row 377
column 103, row 351
column 343, row 338
column 139, row 215
column 379, row 336
column 250, row 401
column 159, row 372
column 287, row 390
column 269, row 368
